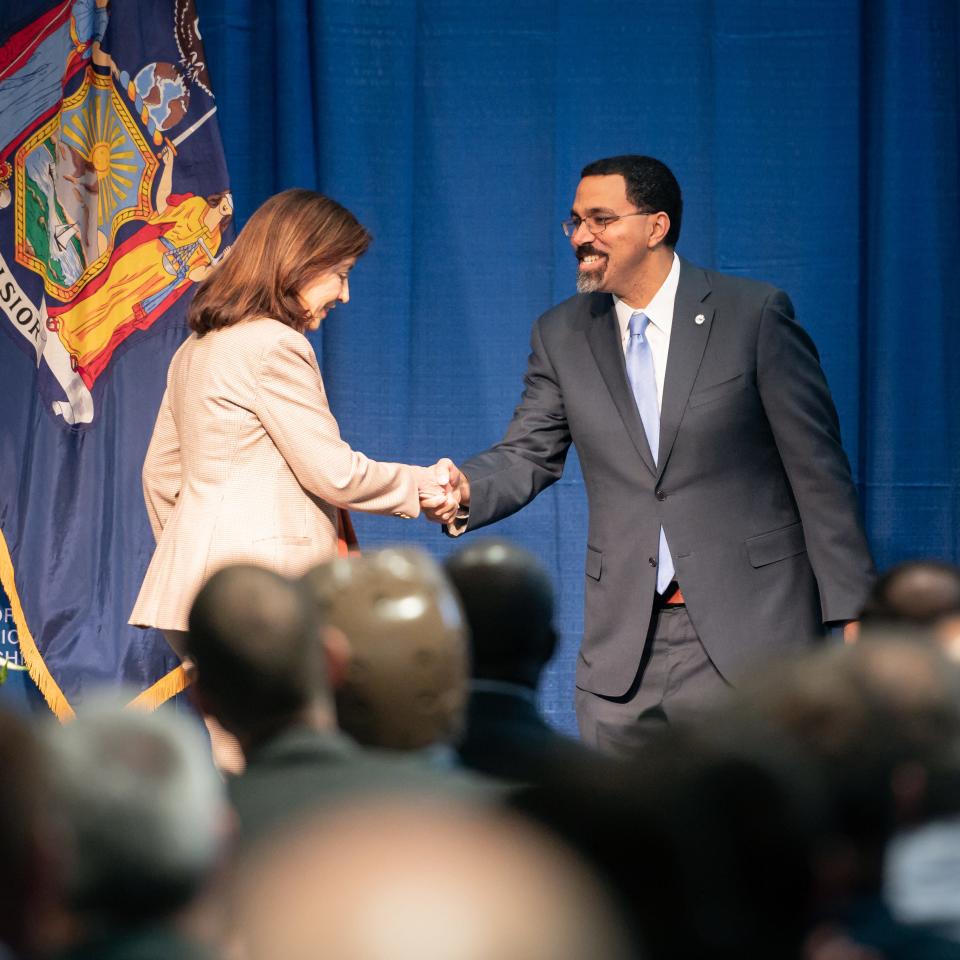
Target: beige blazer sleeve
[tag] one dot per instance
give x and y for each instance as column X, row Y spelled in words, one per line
column 161, row 469
column 292, row 406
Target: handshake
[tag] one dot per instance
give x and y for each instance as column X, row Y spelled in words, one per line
column 443, row 489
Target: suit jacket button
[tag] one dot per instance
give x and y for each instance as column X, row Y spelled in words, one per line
column 652, row 561
column 661, row 495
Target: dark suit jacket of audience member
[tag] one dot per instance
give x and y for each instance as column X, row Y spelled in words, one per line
column 506, row 738
column 871, row 924
column 151, row 942
column 302, row 770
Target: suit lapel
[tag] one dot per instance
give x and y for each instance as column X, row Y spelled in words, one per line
column 688, row 339
column 603, row 335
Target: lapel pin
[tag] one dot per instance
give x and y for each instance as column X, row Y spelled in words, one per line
column 699, row 318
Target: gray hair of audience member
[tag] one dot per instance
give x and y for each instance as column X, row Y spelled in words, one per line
column 396, row 880
column 255, row 641
column 405, row 683
column 917, row 593
column 143, row 811
column 508, row 600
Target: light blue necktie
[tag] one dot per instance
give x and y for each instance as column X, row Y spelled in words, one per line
column 643, row 380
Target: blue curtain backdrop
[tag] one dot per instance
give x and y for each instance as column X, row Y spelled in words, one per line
column 816, row 142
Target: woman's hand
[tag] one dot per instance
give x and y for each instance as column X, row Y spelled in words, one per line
column 440, row 490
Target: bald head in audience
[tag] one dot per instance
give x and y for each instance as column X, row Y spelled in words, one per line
column 405, row 681
column 401, row 881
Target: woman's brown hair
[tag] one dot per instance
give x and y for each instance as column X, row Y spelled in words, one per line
column 290, row 239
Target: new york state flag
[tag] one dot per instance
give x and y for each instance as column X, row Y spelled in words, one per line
column 114, row 204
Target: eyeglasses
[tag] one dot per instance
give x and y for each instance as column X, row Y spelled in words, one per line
column 597, row 224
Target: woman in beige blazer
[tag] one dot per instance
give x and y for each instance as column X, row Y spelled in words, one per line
column 246, row 462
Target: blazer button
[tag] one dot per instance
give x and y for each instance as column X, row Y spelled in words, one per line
column 661, row 495
column 652, row 561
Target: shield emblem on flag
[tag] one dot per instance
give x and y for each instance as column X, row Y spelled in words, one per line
column 79, row 178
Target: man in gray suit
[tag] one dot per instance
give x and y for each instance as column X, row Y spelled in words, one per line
column 723, row 522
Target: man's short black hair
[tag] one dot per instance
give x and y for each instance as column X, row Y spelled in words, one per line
column 255, row 639
column 651, row 185
column 508, row 601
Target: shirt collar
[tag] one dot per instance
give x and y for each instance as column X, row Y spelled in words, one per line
column 659, row 309
column 504, row 687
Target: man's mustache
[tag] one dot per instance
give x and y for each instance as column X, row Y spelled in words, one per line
column 586, row 250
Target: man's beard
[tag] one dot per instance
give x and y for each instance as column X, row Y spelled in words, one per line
column 589, row 281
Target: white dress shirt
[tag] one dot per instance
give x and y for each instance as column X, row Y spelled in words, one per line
column 660, row 312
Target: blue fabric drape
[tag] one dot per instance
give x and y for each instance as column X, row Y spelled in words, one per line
column 816, row 143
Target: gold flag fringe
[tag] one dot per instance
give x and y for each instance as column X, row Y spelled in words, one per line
column 166, row 687
column 176, row 681
column 28, row 648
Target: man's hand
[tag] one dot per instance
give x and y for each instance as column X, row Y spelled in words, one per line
column 441, row 490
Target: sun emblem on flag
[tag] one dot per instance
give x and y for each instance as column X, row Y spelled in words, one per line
column 102, row 140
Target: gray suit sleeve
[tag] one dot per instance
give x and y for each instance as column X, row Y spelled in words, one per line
column 532, row 453
column 806, row 430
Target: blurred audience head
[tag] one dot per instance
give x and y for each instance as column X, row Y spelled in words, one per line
column 405, row 681
column 143, row 812
column 919, row 599
column 508, row 601
column 404, row 881
column 707, row 838
column 31, row 870
column 880, row 723
column 255, row 644
column 919, row 591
